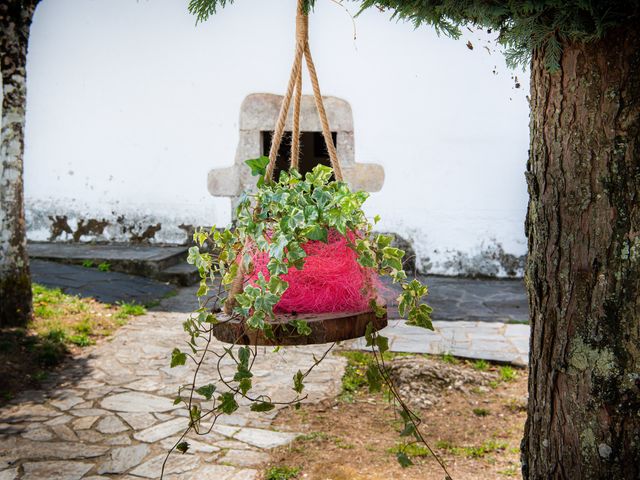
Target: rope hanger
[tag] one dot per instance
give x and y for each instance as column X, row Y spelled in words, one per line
column 295, row 85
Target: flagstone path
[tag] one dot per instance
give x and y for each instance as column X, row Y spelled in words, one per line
column 109, row 413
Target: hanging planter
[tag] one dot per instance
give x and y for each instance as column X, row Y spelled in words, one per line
column 302, row 264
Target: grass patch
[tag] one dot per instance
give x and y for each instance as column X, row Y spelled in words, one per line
column 448, row 358
column 104, row 267
column 60, row 323
column 481, row 412
column 126, row 310
column 281, row 473
column 507, row 373
column 480, row 451
column 410, row 449
column 480, row 365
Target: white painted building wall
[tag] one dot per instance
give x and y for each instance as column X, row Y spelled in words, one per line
column 130, row 104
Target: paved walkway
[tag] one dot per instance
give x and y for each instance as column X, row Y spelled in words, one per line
column 110, row 412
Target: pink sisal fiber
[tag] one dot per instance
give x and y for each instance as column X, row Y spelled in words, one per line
column 331, row 280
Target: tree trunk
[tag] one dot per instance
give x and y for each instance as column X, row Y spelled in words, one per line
column 583, row 271
column 15, row 282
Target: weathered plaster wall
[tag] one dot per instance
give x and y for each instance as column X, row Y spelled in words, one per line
column 130, row 105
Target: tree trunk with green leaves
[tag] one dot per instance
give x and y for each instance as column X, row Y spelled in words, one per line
column 15, row 281
column 583, row 272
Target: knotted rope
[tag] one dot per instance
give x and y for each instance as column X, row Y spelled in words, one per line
column 294, row 87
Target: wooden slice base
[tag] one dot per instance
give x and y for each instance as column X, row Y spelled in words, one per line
column 325, row 328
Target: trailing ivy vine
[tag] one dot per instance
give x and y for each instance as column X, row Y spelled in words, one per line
column 277, row 219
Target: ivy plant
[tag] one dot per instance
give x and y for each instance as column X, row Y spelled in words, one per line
column 277, row 219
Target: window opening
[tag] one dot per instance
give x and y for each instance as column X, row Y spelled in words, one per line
column 313, row 151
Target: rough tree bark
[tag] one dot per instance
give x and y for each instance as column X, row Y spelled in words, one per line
column 15, row 282
column 583, row 271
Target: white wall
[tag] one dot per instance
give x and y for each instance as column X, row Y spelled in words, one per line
column 130, row 105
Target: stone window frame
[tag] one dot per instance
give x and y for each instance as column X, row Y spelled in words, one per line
column 259, row 112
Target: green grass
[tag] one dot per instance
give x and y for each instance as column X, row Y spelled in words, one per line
column 127, row 310
column 481, row 412
column 104, row 267
column 480, row 451
column 87, row 263
column 448, row 358
column 354, row 377
column 481, row 365
column 281, row 473
column 507, row 373
column 410, row 449
column 509, row 472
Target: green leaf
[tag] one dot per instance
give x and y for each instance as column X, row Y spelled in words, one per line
column 302, row 327
column 245, row 385
column 227, row 403
column 195, row 414
column 244, row 355
column 178, row 358
column 374, row 378
column 278, row 244
column 369, row 334
column 206, row 391
column 298, row 386
column 420, row 316
column 317, row 232
column 262, row 407
column 382, row 343
column 277, row 286
column 182, row 447
column 403, row 460
column 258, row 165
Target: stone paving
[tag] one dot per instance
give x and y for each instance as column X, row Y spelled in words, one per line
column 495, row 341
column 107, row 287
column 109, row 413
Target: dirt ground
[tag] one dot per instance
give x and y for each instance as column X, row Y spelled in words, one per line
column 476, row 433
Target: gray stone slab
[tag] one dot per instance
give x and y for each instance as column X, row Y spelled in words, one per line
column 263, row 438
column 57, row 470
column 124, row 458
column 137, row 402
column 107, row 287
column 111, row 424
column 9, row 474
column 162, row 430
column 105, row 252
column 178, row 464
column 223, row 472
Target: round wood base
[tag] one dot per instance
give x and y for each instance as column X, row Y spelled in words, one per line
column 325, row 328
